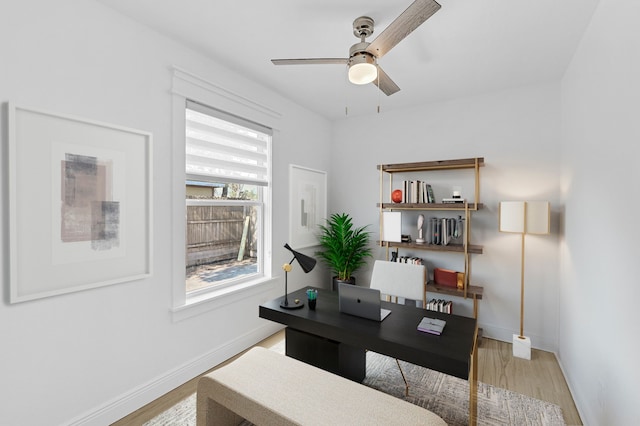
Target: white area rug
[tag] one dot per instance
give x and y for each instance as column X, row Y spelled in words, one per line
column 444, row 395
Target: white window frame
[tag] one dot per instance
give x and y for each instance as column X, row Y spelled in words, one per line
column 186, row 85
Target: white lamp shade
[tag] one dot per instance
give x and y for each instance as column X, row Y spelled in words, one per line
column 511, row 216
column 362, row 73
column 525, row 217
column 538, row 217
column 362, row 68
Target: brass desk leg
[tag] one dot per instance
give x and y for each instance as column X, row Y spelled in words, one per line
column 473, row 383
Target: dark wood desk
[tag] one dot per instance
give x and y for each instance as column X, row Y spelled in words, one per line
column 337, row 342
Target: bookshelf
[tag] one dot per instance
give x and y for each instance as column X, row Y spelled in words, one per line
column 466, row 208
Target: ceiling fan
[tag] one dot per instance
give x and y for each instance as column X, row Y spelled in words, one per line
column 363, row 56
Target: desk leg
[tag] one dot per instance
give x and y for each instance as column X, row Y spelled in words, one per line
column 473, row 382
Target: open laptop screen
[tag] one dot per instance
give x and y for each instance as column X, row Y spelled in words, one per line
column 361, row 301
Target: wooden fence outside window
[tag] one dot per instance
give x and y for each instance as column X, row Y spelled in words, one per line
column 215, row 234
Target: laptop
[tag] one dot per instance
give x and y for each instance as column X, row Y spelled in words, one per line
column 361, row 301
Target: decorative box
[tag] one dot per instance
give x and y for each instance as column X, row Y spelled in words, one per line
column 445, row 277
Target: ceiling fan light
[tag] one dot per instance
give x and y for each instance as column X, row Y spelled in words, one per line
column 362, row 69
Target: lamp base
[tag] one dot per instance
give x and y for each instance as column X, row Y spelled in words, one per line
column 296, row 304
column 521, row 347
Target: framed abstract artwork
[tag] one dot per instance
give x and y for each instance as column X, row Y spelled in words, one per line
column 80, row 202
column 307, row 205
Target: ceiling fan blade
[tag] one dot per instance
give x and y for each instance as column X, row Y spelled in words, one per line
column 418, row 12
column 310, row 61
column 385, row 83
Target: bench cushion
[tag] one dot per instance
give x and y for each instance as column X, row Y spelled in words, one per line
column 268, row 388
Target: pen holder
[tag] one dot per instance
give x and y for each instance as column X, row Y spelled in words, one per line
column 312, row 296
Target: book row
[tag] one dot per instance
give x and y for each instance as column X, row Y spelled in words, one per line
column 406, row 259
column 417, row 191
column 440, row 231
column 440, row 305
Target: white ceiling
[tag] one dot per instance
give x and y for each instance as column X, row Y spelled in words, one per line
column 467, row 47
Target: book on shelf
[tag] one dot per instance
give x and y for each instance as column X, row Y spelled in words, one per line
column 431, row 325
column 453, row 200
column 430, row 197
column 417, row 192
column 407, row 259
column 440, row 231
column 445, row 277
column 440, row 305
column 405, row 191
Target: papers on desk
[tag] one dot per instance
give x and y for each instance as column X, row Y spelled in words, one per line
column 431, row 325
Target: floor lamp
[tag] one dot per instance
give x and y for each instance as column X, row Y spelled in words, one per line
column 524, row 217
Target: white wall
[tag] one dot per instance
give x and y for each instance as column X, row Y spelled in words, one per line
column 517, row 132
column 94, row 356
column 599, row 293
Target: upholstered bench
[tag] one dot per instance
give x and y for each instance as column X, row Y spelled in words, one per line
column 267, row 388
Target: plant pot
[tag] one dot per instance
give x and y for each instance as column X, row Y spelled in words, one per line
column 335, row 282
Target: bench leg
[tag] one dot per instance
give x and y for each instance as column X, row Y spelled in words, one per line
column 211, row 413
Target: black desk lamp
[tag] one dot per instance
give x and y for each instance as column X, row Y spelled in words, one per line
column 306, row 263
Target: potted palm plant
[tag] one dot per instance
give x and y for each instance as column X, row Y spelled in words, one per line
column 345, row 247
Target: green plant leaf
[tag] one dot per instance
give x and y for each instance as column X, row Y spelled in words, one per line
column 345, row 248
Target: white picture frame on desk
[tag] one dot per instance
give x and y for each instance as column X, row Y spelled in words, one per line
column 80, row 204
column 307, row 205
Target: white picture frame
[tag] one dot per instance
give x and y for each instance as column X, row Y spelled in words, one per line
column 392, row 227
column 307, row 205
column 80, row 204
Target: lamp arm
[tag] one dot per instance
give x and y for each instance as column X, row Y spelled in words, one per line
column 286, row 279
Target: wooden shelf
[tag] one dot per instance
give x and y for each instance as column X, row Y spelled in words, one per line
column 456, row 248
column 465, row 163
column 430, row 206
column 473, row 291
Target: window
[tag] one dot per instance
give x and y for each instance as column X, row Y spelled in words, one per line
column 227, row 179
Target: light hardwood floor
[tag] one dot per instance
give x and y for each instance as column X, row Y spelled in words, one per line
column 539, row 378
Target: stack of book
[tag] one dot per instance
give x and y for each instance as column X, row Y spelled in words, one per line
column 440, row 306
column 454, row 200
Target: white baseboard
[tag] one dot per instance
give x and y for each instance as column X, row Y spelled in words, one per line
column 506, row 335
column 577, row 400
column 128, row 402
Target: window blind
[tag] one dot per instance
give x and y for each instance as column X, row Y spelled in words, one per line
column 226, row 148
